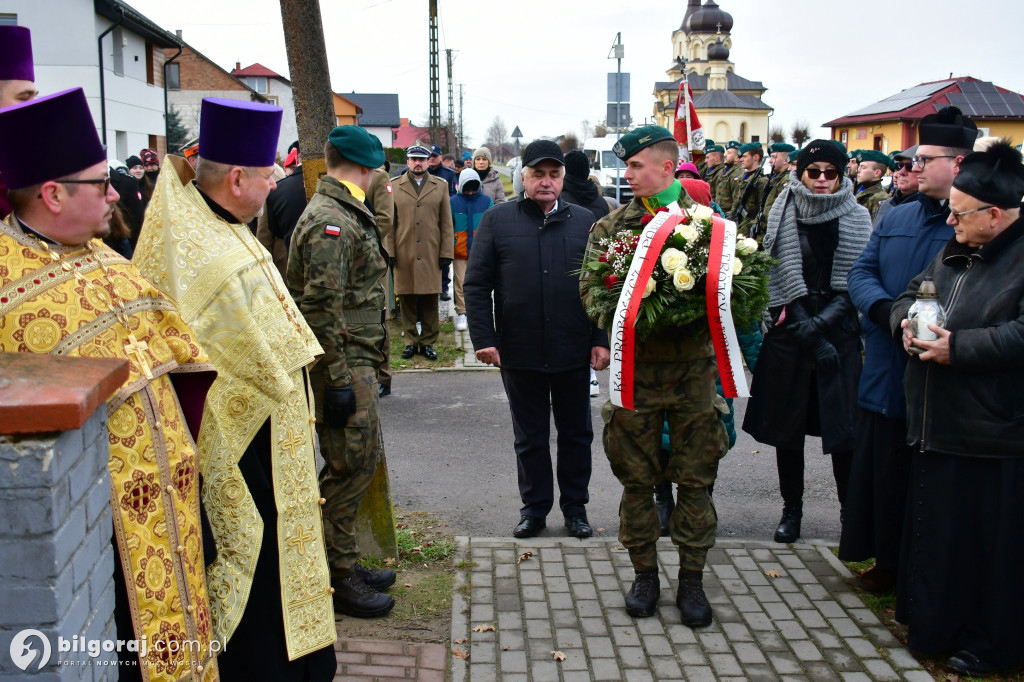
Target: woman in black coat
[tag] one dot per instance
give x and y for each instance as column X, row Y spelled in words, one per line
column 805, row 383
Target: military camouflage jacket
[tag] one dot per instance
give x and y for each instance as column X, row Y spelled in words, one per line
column 661, row 348
column 335, row 265
column 747, row 200
column 871, row 197
column 776, row 183
column 726, row 187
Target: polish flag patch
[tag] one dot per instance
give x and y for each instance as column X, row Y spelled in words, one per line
column 332, row 230
column 389, row 188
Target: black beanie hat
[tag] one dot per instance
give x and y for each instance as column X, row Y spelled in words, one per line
column 994, row 176
column 133, row 161
column 828, row 151
column 577, row 165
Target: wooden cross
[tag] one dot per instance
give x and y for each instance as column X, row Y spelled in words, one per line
column 301, row 537
column 135, row 347
column 294, row 440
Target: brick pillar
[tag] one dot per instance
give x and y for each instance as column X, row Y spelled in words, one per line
column 56, row 561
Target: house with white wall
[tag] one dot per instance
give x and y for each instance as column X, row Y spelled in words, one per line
column 278, row 90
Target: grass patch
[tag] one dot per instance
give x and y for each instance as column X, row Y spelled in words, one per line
column 427, row 596
column 447, row 350
column 422, row 539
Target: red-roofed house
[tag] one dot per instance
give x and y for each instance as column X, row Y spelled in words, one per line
column 278, row 90
column 891, row 124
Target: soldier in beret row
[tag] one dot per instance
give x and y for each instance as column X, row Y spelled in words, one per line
column 782, row 156
column 725, row 186
column 335, row 267
column 873, row 165
column 747, row 193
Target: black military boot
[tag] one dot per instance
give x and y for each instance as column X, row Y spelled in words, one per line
column 377, row 578
column 663, row 498
column 789, row 525
column 642, row 599
column 353, row 597
column 692, row 603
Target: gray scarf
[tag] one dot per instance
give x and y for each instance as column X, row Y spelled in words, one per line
column 782, row 241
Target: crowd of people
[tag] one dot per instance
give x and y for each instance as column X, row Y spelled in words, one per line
column 254, row 322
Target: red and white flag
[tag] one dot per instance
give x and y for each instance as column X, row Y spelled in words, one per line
column 688, row 132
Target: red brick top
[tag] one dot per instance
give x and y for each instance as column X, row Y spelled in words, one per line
column 40, row 393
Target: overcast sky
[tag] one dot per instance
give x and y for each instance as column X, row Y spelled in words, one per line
column 542, row 64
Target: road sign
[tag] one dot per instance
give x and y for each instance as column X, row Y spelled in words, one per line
column 622, row 95
column 517, row 133
column 623, row 116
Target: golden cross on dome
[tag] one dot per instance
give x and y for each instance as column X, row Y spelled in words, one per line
column 301, row 537
column 294, row 440
column 135, row 347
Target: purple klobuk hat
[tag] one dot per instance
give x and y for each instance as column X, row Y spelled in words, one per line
column 16, row 54
column 239, row 133
column 48, row 138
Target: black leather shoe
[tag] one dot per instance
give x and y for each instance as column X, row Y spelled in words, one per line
column 429, row 353
column 529, row 526
column 353, row 597
column 383, row 390
column 691, row 600
column 578, row 526
column 408, row 352
column 789, row 525
column 966, row 663
column 444, row 296
column 663, row 499
column 642, row 599
column 377, row 578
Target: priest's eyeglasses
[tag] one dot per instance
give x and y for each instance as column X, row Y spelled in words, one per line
column 105, row 181
column 815, row 173
column 922, row 161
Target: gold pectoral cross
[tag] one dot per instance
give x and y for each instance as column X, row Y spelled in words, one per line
column 301, row 537
column 135, row 347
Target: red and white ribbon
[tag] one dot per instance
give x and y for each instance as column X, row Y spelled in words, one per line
column 623, row 347
column 719, row 294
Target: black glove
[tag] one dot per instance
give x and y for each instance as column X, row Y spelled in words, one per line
column 806, row 332
column 826, row 356
column 443, row 263
column 391, row 263
column 339, row 405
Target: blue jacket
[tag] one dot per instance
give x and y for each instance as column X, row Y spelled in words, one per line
column 902, row 245
column 467, row 209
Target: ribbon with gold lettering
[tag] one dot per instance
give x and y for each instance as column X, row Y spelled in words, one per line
column 648, row 250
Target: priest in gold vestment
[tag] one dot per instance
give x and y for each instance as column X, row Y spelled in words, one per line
column 63, row 292
column 270, row 592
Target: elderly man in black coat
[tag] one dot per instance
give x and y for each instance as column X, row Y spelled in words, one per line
column 526, row 254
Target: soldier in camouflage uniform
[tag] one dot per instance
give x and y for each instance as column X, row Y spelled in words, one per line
column 713, row 160
column 873, row 167
column 380, row 200
column 728, row 178
column 747, row 197
column 335, row 265
column 779, row 153
column 674, row 380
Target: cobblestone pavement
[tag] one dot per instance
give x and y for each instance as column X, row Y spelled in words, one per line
column 781, row 613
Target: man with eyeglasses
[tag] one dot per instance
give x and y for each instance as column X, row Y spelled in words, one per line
column 270, row 586
column 872, row 167
column 62, row 291
column 17, row 81
column 959, row 581
column 902, row 244
column 904, row 181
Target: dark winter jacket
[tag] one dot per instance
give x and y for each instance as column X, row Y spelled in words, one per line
column 448, row 175
column 902, row 244
column 530, row 261
column 975, row 405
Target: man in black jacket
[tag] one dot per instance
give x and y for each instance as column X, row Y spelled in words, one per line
column 284, row 206
column 525, row 253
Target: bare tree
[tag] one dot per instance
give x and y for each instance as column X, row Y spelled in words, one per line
column 800, row 133
column 586, row 130
column 601, row 130
column 569, row 142
column 777, row 134
column 497, row 137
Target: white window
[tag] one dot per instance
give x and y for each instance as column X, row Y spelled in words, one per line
column 259, row 84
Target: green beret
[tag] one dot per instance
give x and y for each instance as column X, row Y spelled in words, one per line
column 852, row 154
column 733, row 144
column 780, row 147
column 894, row 154
column 357, row 145
column 876, row 156
column 708, row 142
column 792, row 156
column 750, row 147
column 640, row 138
column 714, row 148
column 841, row 145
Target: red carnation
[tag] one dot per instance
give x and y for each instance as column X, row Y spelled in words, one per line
column 646, row 219
column 603, row 258
column 610, row 281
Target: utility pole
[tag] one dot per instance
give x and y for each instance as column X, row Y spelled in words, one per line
column 449, row 146
column 616, row 53
column 314, row 114
column 462, row 137
column 435, row 83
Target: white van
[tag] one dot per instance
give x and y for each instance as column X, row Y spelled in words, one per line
column 608, row 167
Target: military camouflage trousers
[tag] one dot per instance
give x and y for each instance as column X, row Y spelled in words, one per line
column 684, row 394
column 350, row 455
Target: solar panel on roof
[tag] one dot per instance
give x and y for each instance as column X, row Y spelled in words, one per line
column 902, row 100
